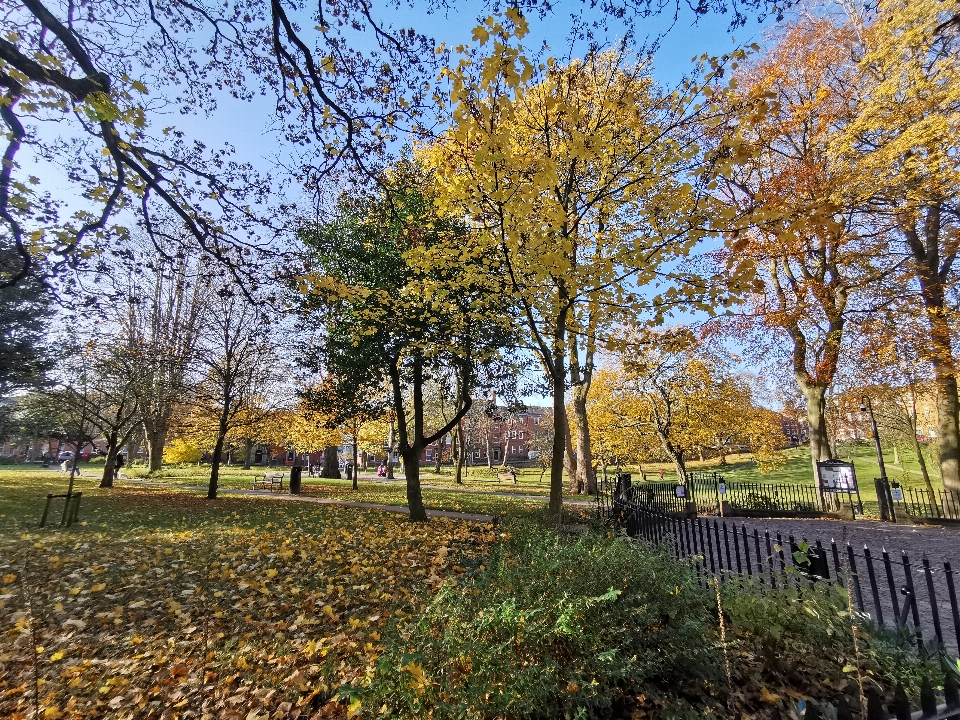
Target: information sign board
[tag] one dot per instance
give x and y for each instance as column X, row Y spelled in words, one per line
column 837, row 476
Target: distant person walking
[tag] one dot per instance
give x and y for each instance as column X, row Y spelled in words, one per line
column 118, row 465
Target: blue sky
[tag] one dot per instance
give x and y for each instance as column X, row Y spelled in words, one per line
column 247, row 125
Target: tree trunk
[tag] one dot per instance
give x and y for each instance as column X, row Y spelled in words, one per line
column 156, row 439
column 559, row 449
column 331, row 462
column 676, row 457
column 441, row 443
column 461, row 452
column 561, row 430
column 569, row 457
column 356, row 463
column 586, row 478
column 215, row 463
column 817, row 422
column 948, row 429
column 581, row 379
column 930, row 270
column 106, row 481
column 411, row 465
column 247, row 452
column 489, row 451
column 391, row 441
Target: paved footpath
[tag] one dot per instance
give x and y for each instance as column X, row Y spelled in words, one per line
column 402, row 509
column 939, row 543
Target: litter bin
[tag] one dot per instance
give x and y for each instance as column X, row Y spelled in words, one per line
column 348, row 471
column 296, row 475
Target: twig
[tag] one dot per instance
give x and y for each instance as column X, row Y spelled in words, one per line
column 723, row 632
column 27, row 600
column 853, row 632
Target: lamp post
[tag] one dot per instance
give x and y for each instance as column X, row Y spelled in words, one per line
column 867, row 406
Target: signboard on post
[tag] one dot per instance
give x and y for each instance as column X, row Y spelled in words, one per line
column 680, row 491
column 722, row 489
column 896, row 492
column 837, row 476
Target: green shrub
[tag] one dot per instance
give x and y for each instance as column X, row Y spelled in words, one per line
column 552, row 628
column 797, row 634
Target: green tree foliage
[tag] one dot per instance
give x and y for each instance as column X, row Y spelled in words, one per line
column 404, row 294
column 25, row 324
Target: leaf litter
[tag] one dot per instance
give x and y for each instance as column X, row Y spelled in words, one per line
column 259, row 613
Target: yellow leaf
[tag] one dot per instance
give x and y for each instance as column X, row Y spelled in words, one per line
column 420, row 681
column 9, row 578
column 98, row 587
column 272, row 573
column 353, row 709
column 768, row 697
column 58, row 655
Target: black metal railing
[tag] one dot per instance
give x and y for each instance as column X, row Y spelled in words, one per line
column 917, row 601
column 919, row 503
column 703, row 490
column 894, row 590
column 780, row 497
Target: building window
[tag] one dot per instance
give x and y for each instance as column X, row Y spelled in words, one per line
column 476, row 454
column 496, row 453
column 520, row 435
column 429, row 454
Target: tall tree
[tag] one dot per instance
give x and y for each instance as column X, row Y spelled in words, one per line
column 238, row 370
column 404, row 294
column 589, row 180
column 112, row 399
column 347, row 403
column 812, row 246
column 26, row 311
column 902, row 146
column 164, row 306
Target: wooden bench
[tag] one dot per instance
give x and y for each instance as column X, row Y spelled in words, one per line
column 509, row 475
column 272, row 481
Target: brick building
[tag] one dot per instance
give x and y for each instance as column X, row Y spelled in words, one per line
column 503, row 437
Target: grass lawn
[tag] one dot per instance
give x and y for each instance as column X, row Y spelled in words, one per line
column 798, row 470
column 392, row 493
column 529, row 480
